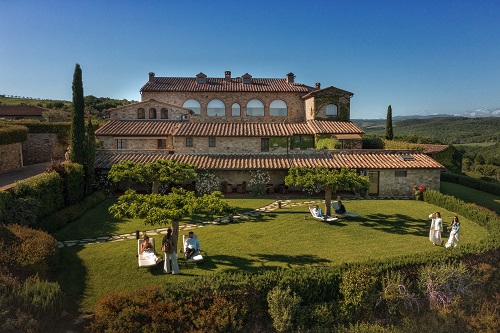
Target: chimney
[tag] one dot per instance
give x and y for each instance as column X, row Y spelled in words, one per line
column 317, row 85
column 290, row 77
column 151, row 77
column 227, row 76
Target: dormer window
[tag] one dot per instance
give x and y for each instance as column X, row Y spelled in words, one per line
column 201, row 78
column 247, row 78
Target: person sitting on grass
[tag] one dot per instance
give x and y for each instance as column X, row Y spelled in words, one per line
column 341, row 208
column 192, row 245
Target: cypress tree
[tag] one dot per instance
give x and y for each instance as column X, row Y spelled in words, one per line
column 389, row 135
column 77, row 144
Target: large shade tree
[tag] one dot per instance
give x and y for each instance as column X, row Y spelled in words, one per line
column 161, row 171
column 329, row 180
column 169, row 209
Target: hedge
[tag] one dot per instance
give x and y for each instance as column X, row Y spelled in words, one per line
column 475, row 183
column 10, row 133
column 46, row 188
column 45, row 127
column 59, row 219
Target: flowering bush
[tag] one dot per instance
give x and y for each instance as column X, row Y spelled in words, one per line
column 258, row 182
column 418, row 192
column 207, row 183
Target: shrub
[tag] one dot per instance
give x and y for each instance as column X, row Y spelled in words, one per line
column 207, row 182
column 328, row 143
column 23, row 211
column 72, row 175
column 258, row 182
column 46, row 188
column 372, row 142
column 27, row 252
column 283, row 307
column 396, row 294
column 358, row 288
column 442, row 283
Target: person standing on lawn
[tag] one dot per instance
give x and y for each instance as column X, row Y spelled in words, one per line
column 168, row 246
column 454, row 233
column 436, row 228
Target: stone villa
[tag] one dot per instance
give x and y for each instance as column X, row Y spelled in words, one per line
column 231, row 125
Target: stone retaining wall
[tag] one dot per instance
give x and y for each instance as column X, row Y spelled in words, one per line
column 11, row 157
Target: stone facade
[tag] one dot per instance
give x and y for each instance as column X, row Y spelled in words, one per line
column 130, row 111
column 43, row 147
column 391, row 185
column 11, row 157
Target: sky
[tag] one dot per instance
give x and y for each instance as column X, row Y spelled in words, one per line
column 421, row 57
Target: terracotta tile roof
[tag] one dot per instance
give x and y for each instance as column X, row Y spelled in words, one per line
column 166, row 84
column 312, row 93
column 432, row 149
column 337, row 127
column 178, row 128
column 21, row 110
column 138, row 128
column 361, row 159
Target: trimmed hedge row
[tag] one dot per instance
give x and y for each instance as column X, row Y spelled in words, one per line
column 480, row 215
column 11, row 133
column 42, row 127
column 46, row 189
column 475, row 183
column 59, row 219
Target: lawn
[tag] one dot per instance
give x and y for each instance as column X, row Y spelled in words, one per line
column 288, row 237
column 468, row 194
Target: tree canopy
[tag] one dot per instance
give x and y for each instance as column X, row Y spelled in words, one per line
column 77, row 148
column 329, row 180
column 169, row 209
column 161, row 171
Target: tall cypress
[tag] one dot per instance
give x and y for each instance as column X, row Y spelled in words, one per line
column 77, row 145
column 389, row 135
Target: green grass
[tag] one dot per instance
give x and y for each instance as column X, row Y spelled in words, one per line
column 468, row 194
column 286, row 238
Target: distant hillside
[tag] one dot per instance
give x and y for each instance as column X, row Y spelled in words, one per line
column 442, row 129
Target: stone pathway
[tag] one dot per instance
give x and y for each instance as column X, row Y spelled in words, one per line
column 188, row 226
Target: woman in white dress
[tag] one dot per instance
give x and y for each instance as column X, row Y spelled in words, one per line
column 454, row 233
column 436, row 228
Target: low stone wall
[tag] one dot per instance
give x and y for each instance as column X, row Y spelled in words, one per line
column 390, row 185
column 43, row 147
column 11, row 157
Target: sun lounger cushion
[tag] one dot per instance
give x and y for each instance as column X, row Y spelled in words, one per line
column 146, row 259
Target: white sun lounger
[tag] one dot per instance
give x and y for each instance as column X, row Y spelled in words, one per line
column 335, row 206
column 322, row 218
column 197, row 255
column 147, row 259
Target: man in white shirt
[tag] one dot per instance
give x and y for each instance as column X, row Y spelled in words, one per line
column 192, row 245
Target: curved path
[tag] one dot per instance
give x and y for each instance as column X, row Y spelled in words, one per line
column 223, row 220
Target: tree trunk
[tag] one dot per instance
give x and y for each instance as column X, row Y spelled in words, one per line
column 175, row 234
column 156, row 186
column 328, row 201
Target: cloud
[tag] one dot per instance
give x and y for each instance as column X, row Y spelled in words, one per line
column 482, row 113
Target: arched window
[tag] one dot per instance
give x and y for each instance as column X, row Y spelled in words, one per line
column 255, row 108
column 164, row 113
column 278, row 108
column 152, row 113
column 331, row 110
column 235, row 110
column 216, row 108
column 192, row 104
column 141, row 114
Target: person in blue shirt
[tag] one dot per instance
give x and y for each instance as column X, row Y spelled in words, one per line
column 454, row 233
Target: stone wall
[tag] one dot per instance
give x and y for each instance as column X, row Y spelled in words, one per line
column 293, row 101
column 130, row 111
column 390, row 185
column 11, row 157
column 43, row 147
